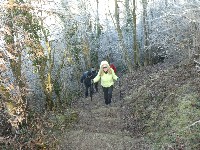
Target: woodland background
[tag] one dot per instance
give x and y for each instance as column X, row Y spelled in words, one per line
column 47, row 45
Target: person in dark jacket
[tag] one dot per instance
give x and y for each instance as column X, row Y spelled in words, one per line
column 94, row 74
column 86, row 79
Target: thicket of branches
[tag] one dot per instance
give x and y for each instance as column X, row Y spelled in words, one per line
column 46, row 45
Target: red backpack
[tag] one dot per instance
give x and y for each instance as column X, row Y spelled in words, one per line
column 113, row 67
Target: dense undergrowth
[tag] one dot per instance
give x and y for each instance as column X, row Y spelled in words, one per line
column 165, row 106
column 40, row 131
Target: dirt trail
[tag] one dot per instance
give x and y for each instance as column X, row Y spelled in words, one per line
column 101, row 127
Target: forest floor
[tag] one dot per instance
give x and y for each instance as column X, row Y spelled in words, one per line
column 159, row 109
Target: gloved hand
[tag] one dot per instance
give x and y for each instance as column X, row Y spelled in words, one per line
column 92, row 81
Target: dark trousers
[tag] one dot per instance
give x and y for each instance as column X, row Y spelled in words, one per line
column 90, row 88
column 108, row 94
column 96, row 86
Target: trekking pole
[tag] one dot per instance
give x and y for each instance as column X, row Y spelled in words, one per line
column 91, row 90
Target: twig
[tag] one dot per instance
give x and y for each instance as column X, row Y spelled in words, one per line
column 196, row 62
column 193, row 124
column 198, row 68
column 197, row 65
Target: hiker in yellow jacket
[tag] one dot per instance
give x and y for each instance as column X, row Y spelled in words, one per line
column 107, row 76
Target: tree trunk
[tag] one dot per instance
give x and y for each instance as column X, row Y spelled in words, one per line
column 15, row 63
column 135, row 48
column 95, row 55
column 48, row 81
column 145, row 26
column 120, row 36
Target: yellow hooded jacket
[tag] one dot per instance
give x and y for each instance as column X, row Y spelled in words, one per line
column 106, row 79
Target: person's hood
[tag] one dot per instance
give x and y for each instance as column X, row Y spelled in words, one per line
column 104, row 63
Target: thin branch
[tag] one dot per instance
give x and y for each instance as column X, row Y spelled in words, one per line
column 196, row 62
column 193, row 124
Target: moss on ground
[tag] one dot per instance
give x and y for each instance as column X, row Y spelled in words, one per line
column 166, row 109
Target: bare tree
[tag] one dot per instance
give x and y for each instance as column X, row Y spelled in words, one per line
column 135, row 46
column 145, row 27
column 121, row 39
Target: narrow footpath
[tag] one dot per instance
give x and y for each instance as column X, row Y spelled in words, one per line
column 101, row 127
